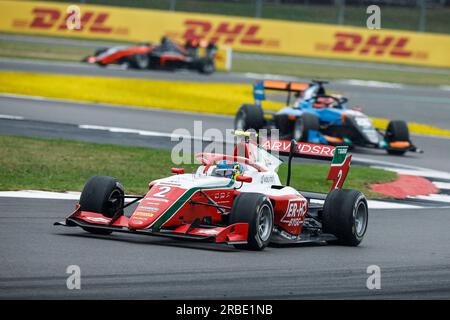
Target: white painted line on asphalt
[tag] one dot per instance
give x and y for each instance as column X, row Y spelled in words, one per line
column 10, row 117
column 434, row 197
column 442, row 185
column 268, row 76
column 28, row 97
column 373, row 84
column 36, row 194
column 140, row 132
column 378, row 204
column 446, row 88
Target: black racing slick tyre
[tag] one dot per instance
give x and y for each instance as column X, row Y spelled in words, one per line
column 397, row 130
column 345, row 215
column 302, row 126
column 140, row 61
column 206, row 66
column 249, row 117
column 104, row 195
column 256, row 210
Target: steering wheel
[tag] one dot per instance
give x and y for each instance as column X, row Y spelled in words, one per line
column 208, row 159
column 337, row 101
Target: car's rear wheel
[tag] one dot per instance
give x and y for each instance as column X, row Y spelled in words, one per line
column 206, row 66
column 303, row 125
column 104, row 195
column 249, row 117
column 256, row 210
column 345, row 215
column 397, row 130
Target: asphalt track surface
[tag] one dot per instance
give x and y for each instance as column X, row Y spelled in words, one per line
column 412, row 247
column 413, row 254
column 428, row 105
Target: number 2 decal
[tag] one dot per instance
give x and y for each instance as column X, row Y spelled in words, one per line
column 339, row 177
column 162, row 191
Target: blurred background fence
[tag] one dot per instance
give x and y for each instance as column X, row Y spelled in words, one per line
column 413, row 15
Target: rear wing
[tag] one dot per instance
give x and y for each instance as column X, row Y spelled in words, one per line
column 339, row 157
column 259, row 88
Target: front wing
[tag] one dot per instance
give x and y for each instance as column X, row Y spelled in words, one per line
column 233, row 234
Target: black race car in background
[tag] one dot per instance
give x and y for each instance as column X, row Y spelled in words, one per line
column 194, row 55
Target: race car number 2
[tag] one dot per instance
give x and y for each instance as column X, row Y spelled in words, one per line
column 162, row 192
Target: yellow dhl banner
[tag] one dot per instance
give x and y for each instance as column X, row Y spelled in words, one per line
column 242, row 34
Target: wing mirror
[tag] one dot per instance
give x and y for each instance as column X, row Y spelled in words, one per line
column 244, row 179
column 177, row 170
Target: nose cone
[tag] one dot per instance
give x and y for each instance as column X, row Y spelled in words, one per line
column 153, row 207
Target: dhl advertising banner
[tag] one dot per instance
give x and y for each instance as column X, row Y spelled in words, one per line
column 242, row 34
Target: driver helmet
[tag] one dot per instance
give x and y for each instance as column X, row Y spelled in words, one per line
column 228, row 169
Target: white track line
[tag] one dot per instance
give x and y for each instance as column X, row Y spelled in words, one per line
column 10, row 117
column 442, row 185
column 36, row 194
column 373, row 84
column 434, row 197
column 172, row 136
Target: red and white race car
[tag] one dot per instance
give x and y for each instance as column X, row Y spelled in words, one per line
column 236, row 199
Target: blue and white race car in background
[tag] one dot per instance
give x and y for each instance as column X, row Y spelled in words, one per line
column 317, row 117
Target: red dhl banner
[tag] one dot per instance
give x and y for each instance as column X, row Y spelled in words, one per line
column 242, row 34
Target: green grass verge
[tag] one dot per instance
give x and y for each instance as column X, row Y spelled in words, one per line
column 26, row 50
column 393, row 17
column 59, row 165
column 218, row 98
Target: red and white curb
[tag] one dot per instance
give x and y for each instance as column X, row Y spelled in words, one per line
column 417, row 184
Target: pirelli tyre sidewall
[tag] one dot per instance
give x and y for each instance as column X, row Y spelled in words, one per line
column 256, row 210
column 102, row 194
column 346, row 216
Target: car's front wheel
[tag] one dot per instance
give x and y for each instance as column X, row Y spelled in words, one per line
column 249, row 117
column 104, row 195
column 206, row 66
column 397, row 130
column 256, row 210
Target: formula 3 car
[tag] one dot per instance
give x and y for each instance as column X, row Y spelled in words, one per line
column 236, row 199
column 167, row 55
column 318, row 117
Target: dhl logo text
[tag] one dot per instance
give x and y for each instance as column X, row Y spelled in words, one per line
column 225, row 32
column 372, row 45
column 48, row 18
